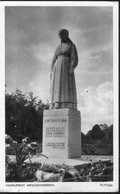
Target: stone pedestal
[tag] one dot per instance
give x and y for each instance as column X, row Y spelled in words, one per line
column 62, row 133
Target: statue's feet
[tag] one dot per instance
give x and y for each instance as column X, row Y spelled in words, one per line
column 57, row 105
column 68, row 105
column 51, row 106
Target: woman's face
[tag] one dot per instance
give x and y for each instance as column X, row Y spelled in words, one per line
column 63, row 36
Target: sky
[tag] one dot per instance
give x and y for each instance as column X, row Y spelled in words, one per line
column 31, row 37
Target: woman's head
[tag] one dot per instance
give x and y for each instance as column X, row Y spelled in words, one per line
column 63, row 34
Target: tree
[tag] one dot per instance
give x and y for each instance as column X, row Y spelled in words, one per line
column 82, row 137
column 96, row 132
column 24, row 115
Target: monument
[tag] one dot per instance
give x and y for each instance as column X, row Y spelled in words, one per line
column 62, row 122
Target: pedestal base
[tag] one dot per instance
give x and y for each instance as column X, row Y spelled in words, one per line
column 62, row 133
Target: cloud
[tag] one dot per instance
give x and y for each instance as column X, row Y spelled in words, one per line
column 96, row 57
column 44, row 53
column 40, row 87
column 98, row 105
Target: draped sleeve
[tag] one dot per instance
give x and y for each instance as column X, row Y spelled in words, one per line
column 73, row 57
column 54, row 59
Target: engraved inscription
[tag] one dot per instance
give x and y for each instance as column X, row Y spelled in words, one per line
column 56, row 145
column 55, row 120
column 55, row 132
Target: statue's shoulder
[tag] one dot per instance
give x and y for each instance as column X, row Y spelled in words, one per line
column 71, row 44
column 58, row 47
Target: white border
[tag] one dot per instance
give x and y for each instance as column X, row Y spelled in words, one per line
column 59, row 3
column 65, row 187
column 115, row 84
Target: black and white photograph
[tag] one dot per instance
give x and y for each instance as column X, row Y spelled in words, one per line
column 59, row 96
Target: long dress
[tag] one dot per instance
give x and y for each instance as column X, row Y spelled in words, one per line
column 63, row 86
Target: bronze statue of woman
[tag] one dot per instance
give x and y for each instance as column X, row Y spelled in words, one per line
column 62, row 85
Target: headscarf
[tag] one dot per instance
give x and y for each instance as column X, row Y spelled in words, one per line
column 63, row 31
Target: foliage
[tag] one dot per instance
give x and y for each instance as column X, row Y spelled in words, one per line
column 91, row 172
column 98, row 140
column 21, row 173
column 99, row 171
column 18, row 170
column 24, row 115
column 97, row 149
column 96, row 134
column 22, row 150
